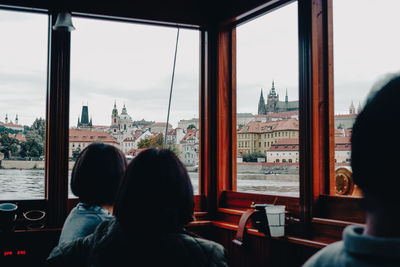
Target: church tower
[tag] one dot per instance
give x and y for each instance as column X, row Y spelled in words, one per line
column 286, row 97
column 352, row 110
column 84, row 122
column 114, row 119
column 272, row 99
column 16, row 119
column 262, row 110
column 359, row 108
column 6, row 120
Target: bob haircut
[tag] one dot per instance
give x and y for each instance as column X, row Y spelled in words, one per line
column 156, row 186
column 97, row 174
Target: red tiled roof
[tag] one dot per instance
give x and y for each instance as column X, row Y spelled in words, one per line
column 76, row 135
column 172, row 132
column 342, row 139
column 100, row 126
column 342, row 143
column 137, row 134
column 129, row 139
column 134, row 152
column 160, row 124
column 343, row 132
column 285, row 114
column 270, row 126
column 19, row 136
column 11, row 124
column 189, row 134
column 289, row 144
column 346, row 115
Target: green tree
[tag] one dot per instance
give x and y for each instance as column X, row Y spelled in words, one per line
column 76, row 153
column 252, row 157
column 144, row 143
column 39, row 127
column 174, row 149
column 191, row 126
column 31, row 149
column 152, row 141
column 8, row 146
column 35, row 138
column 8, row 130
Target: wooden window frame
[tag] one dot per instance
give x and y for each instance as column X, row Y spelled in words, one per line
column 219, row 119
column 56, row 202
column 319, row 212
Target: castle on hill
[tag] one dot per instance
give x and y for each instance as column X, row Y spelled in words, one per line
column 274, row 105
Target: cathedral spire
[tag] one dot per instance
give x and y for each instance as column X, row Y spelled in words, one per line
column 286, row 97
column 272, row 92
column 124, row 110
column 352, row 110
column 115, row 110
column 16, row 119
column 6, row 120
column 262, row 110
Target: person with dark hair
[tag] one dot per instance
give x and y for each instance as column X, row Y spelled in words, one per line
column 374, row 163
column 153, row 205
column 95, row 179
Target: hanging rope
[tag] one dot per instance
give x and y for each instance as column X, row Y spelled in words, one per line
column 170, row 91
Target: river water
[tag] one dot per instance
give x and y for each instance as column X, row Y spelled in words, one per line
column 18, row 184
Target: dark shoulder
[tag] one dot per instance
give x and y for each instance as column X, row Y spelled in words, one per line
column 331, row 255
column 75, row 253
column 204, row 243
column 207, row 251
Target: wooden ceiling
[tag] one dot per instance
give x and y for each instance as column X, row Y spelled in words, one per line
column 197, row 13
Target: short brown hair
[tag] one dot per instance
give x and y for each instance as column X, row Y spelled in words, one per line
column 97, row 173
column 156, row 186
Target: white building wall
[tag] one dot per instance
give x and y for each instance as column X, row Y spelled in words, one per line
column 179, row 135
column 291, row 156
column 342, row 156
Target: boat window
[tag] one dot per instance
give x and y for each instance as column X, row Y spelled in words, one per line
column 365, row 52
column 121, row 77
column 267, row 103
column 23, row 80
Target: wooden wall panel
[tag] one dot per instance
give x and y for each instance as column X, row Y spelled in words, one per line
column 262, row 251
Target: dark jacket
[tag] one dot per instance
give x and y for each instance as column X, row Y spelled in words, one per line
column 109, row 245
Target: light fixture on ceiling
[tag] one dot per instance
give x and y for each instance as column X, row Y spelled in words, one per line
column 64, row 22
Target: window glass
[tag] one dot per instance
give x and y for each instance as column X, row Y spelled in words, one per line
column 23, row 80
column 366, row 50
column 120, row 86
column 267, row 104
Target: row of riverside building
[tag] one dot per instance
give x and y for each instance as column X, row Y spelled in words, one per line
column 126, row 134
column 275, row 134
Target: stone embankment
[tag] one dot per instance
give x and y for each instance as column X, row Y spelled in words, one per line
column 268, row 168
column 25, row 164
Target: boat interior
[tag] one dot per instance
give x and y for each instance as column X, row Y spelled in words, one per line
column 314, row 219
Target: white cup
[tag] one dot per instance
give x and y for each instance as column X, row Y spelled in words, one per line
column 276, row 220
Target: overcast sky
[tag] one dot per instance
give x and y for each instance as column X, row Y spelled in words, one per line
column 132, row 63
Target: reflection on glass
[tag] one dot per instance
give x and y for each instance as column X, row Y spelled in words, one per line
column 120, row 85
column 23, row 53
column 267, row 104
column 365, row 51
